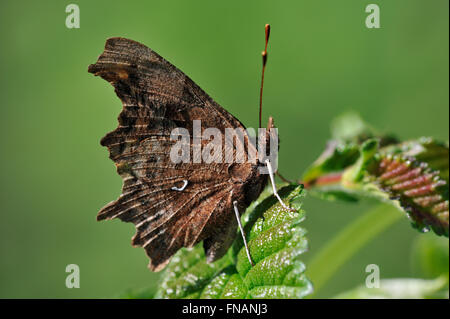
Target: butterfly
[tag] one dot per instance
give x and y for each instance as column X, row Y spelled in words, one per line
column 172, row 205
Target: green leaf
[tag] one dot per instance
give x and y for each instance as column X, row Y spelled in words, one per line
column 350, row 142
column 425, row 149
column 412, row 175
column 401, row 289
column 276, row 242
column 357, row 172
column 330, row 164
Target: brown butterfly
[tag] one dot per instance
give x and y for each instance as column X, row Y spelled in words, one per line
column 172, row 205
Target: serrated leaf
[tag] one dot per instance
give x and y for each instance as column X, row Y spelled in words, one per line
column 276, row 242
column 349, row 132
column 421, row 190
column 401, row 289
column 188, row 273
column 413, row 175
column 425, row 149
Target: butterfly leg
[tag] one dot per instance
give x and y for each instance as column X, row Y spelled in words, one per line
column 272, row 181
column 238, row 217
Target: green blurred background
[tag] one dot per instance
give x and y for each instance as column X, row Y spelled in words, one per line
column 322, row 61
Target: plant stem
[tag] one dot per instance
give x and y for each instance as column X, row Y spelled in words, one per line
column 348, row 241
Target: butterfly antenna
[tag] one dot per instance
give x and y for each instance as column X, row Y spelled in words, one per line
column 264, row 61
